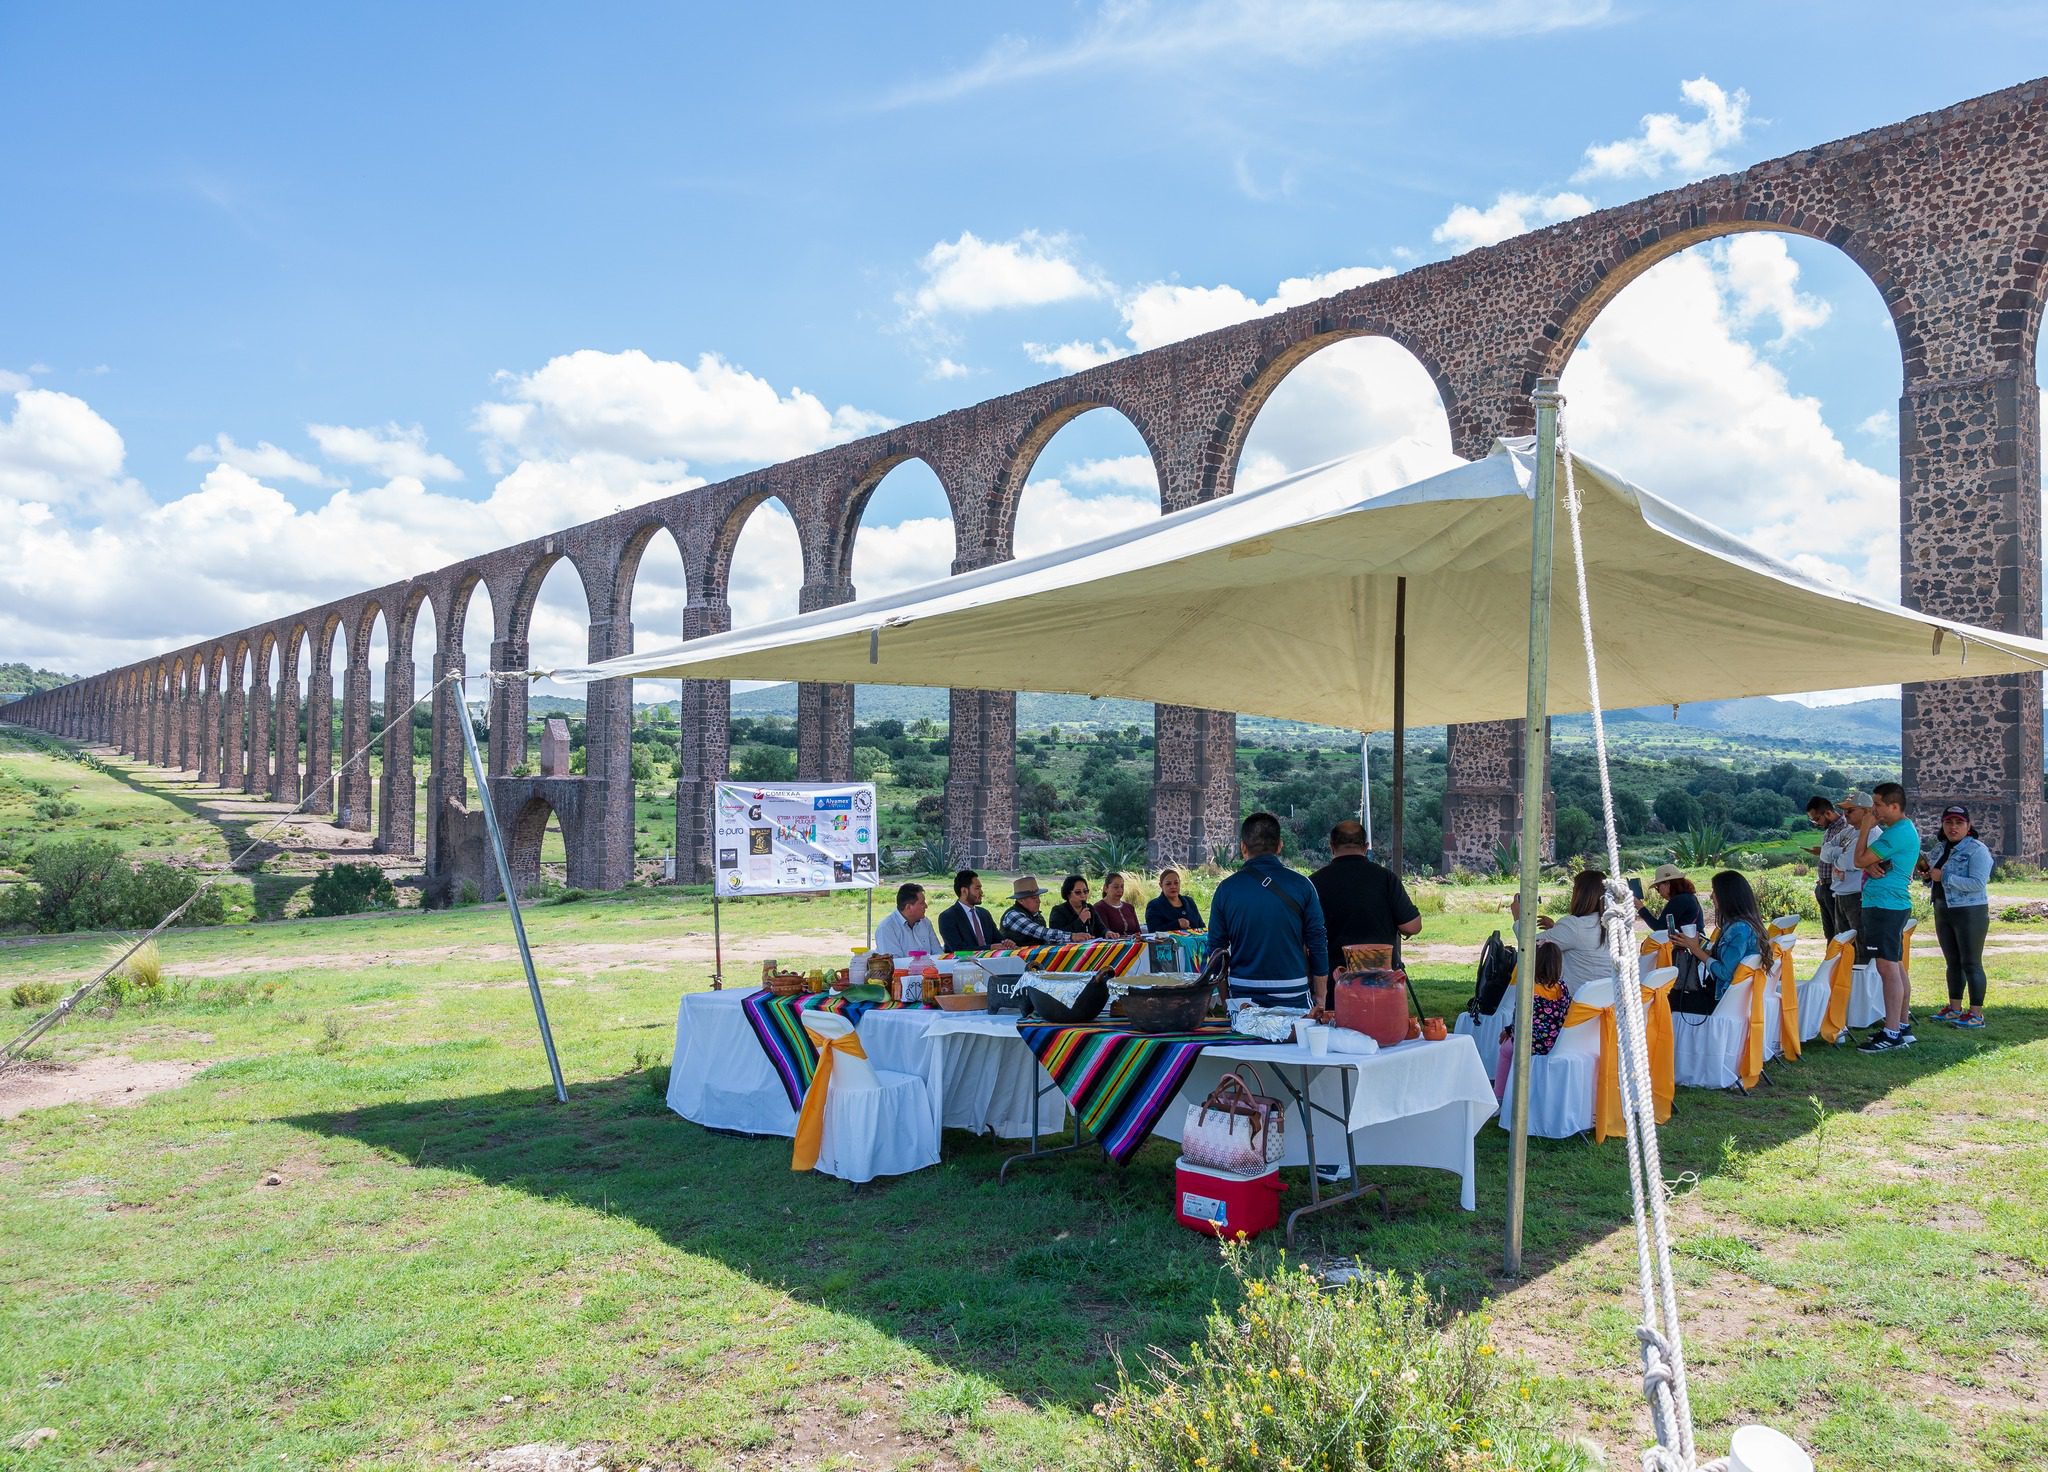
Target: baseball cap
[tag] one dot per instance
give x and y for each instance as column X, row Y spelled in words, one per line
column 1956, row 810
column 1857, row 800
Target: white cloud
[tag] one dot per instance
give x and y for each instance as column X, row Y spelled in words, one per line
column 1763, row 281
column 391, row 451
column 1129, row 472
column 264, row 460
column 1163, row 312
column 969, row 276
column 1467, row 227
column 1882, row 425
column 1131, row 37
column 888, row 559
column 658, row 411
column 1667, row 389
column 1051, row 516
column 55, row 450
column 946, row 368
column 1668, row 144
column 13, row 383
column 1072, row 357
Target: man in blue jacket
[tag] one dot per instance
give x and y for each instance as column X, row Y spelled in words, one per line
column 1272, row 920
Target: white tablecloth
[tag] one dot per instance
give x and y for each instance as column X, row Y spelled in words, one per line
column 720, row 1077
column 1412, row 1104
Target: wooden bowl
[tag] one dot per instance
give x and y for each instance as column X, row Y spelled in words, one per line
column 962, row 1001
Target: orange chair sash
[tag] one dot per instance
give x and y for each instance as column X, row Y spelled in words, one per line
column 1657, row 956
column 1841, row 981
column 1751, row 1067
column 810, row 1121
column 1657, row 1033
column 1788, row 1003
column 1607, row 1118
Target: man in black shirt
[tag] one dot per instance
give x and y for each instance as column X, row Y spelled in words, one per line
column 1363, row 902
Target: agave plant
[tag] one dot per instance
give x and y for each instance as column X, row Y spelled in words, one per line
column 1700, row 848
column 1111, row 854
column 936, row 856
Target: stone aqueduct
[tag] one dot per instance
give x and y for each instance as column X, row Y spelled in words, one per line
column 1944, row 213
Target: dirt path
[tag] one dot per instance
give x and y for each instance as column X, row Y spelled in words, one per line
column 116, row 1080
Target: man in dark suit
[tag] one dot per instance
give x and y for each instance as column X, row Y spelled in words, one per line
column 965, row 925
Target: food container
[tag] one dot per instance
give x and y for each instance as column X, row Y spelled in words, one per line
column 785, row 984
column 1224, row 1204
column 1368, row 958
column 1374, row 1003
column 878, row 968
column 1433, row 1029
column 1084, row 1008
column 962, row 1001
column 1165, row 1008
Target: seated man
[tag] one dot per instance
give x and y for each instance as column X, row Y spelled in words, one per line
column 907, row 931
column 1363, row 902
column 1021, row 925
column 965, row 925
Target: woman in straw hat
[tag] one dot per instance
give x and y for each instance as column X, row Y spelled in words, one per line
column 1681, row 902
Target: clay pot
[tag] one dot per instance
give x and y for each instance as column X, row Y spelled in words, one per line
column 1433, row 1029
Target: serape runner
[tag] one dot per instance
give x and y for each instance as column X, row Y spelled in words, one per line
column 778, row 1025
column 1119, row 1080
column 1114, row 956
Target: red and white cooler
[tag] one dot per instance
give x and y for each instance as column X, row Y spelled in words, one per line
column 1223, row 1203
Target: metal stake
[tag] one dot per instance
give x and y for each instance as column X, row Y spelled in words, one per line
column 1542, row 539
column 483, row 792
column 1365, row 785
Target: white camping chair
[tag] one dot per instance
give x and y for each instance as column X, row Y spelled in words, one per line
column 1817, row 988
column 876, row 1123
column 1561, row 1082
column 1485, row 1031
column 1707, row 1051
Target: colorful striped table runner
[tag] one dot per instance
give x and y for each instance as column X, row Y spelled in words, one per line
column 778, row 1026
column 1115, row 956
column 1119, row 1080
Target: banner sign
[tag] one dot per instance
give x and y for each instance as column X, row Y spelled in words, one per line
column 795, row 838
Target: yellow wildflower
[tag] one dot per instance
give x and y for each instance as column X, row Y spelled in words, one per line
column 1257, row 1290
column 1208, row 1413
column 1272, row 1374
column 1486, row 1349
column 1255, row 1448
column 1525, row 1392
column 1266, row 1407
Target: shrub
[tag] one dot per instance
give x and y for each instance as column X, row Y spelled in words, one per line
column 1113, row 854
column 1781, row 893
column 1355, row 1377
column 350, row 889
column 85, row 884
column 137, row 981
column 1125, row 808
column 34, row 993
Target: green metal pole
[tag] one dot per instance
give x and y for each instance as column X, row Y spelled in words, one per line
column 1542, row 538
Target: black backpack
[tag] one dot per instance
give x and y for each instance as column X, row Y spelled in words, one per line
column 1496, row 975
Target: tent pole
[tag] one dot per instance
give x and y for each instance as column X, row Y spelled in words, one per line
column 1542, row 539
column 1400, row 864
column 483, row 792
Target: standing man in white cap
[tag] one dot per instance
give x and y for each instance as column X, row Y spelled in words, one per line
column 1838, row 856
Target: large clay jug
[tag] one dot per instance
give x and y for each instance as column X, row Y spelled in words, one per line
column 1374, row 1003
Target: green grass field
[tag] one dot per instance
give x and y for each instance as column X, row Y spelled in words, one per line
column 363, row 1235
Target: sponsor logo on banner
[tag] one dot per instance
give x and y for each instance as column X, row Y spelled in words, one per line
column 841, row 803
column 728, row 858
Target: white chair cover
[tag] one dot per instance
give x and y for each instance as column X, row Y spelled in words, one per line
column 1815, row 991
column 1485, row 1031
column 876, row 1123
column 1706, row 1051
column 1561, row 1082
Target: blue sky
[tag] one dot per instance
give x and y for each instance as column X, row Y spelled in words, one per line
column 427, row 279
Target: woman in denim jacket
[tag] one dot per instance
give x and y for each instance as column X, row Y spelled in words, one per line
column 1738, row 934
column 1957, row 870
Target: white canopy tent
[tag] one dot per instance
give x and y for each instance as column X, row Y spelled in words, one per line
column 1280, row 602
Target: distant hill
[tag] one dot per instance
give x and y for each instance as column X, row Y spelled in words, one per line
column 1859, row 723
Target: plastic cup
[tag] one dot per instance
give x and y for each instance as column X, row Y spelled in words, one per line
column 1301, row 1031
column 1318, row 1040
column 1760, row 1449
column 1692, row 930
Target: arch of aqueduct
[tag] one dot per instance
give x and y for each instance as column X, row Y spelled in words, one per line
column 1944, row 213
